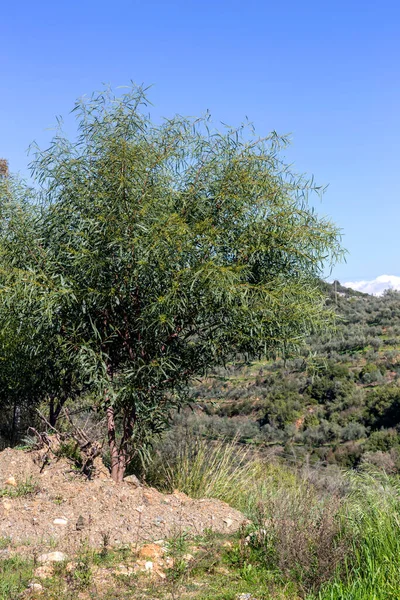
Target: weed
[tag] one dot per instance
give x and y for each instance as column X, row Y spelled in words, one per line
column 105, row 546
column 15, row 574
column 178, row 544
column 27, row 487
column 70, row 450
column 373, row 520
column 5, row 542
column 82, row 573
column 58, row 499
column 300, row 535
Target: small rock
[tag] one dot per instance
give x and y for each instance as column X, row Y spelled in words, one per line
column 60, row 521
column 245, row 597
column 11, row 481
column 35, row 587
column 153, row 551
column 52, row 557
column 148, row 565
column 80, row 524
column 228, row 522
column 188, row 557
column 7, row 505
column 160, row 574
column 133, row 481
column 124, row 570
column 44, row 572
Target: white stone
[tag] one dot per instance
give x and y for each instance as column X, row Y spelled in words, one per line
column 35, row 587
column 188, row 557
column 52, row 557
column 60, row 521
column 124, row 570
column 133, row 481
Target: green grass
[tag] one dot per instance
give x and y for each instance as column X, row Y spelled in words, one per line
column 373, row 514
column 204, row 469
column 27, row 487
column 15, row 574
column 221, row 568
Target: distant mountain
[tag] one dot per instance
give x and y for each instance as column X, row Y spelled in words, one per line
column 376, row 286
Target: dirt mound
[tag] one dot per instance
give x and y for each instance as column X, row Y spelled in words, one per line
column 52, row 507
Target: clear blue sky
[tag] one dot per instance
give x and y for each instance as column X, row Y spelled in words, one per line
column 326, row 72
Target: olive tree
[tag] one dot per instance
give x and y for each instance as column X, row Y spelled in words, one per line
column 167, row 249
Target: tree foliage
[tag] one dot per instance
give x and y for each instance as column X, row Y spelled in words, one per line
column 153, row 252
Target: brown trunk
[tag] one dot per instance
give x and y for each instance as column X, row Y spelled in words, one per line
column 14, row 428
column 55, row 410
column 117, row 455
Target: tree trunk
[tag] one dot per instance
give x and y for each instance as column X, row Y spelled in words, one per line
column 117, row 454
column 54, row 411
column 15, row 423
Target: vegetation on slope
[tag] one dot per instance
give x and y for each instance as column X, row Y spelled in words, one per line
column 338, row 403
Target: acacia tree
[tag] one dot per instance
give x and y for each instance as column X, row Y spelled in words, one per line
column 168, row 249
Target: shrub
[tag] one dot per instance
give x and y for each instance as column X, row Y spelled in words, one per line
column 202, row 469
column 281, row 408
column 353, row 431
column 381, row 460
column 382, row 440
column 300, row 534
column 370, row 373
column 347, row 455
column 383, row 405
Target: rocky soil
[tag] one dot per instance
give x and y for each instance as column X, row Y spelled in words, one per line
column 52, row 508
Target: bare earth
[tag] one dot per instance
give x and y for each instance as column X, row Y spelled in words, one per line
column 96, row 510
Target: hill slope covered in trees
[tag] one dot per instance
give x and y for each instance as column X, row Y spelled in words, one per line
column 339, row 402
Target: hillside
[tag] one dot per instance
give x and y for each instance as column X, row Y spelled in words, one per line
column 339, row 402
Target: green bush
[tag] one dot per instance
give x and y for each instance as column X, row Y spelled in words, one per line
column 383, row 407
column 382, row 440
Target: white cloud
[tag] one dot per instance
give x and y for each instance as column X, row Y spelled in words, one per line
column 375, row 286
